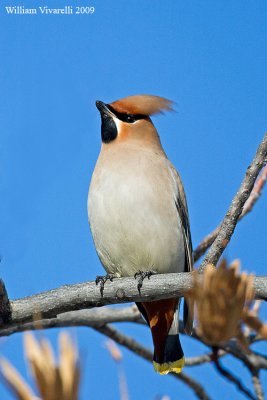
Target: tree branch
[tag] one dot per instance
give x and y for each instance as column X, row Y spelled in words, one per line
column 233, row 379
column 257, row 385
column 241, row 205
column 203, row 359
column 86, row 318
column 121, row 290
column 252, row 360
column 256, row 192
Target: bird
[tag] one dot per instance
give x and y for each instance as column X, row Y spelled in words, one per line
column 138, row 215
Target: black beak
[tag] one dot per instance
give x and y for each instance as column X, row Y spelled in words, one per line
column 102, row 107
column 109, row 130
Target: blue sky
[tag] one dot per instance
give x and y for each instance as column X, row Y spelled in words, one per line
column 210, row 58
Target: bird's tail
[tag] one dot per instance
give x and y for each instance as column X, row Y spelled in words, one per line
column 162, row 317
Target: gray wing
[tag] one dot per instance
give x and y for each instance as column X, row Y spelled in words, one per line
column 182, row 209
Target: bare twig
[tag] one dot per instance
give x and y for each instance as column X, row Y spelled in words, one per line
column 203, row 359
column 251, row 360
column 128, row 342
column 257, row 385
column 205, row 243
column 230, row 220
column 256, row 192
column 254, row 196
column 87, row 318
column 233, row 379
column 143, row 352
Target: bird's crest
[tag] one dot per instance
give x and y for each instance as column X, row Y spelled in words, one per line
column 142, row 105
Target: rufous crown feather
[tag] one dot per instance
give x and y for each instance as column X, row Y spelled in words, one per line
column 142, row 104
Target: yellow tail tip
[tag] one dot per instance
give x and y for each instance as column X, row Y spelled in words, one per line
column 173, row 366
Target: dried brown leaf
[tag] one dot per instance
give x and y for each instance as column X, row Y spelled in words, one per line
column 220, row 297
column 54, row 382
column 68, row 368
column 15, row 382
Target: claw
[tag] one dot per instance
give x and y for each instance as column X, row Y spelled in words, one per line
column 141, row 275
column 102, row 280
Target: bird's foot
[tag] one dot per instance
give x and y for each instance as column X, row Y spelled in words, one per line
column 101, row 280
column 140, row 276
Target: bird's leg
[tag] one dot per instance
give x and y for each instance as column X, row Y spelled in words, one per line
column 102, row 280
column 140, row 276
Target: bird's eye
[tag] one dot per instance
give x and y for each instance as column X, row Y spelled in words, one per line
column 130, row 118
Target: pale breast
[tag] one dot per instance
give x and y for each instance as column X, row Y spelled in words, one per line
column 132, row 214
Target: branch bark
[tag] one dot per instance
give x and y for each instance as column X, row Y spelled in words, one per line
column 257, row 385
column 121, row 290
column 87, row 318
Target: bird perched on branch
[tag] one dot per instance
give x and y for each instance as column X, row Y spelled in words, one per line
column 138, row 214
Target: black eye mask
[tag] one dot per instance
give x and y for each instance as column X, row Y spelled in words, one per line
column 128, row 118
